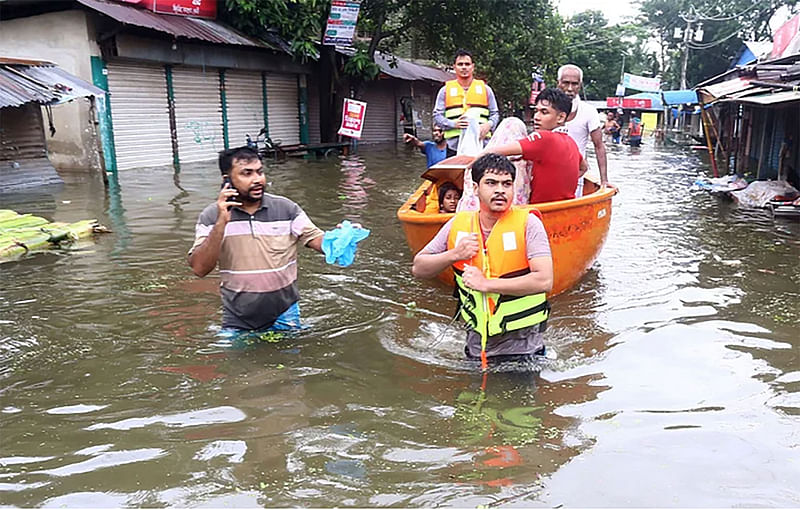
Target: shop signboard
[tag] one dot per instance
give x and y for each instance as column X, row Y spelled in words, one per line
column 632, row 81
column 353, row 118
column 341, row 26
column 196, row 8
column 784, row 35
column 628, row 102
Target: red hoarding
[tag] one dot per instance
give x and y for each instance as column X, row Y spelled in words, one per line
column 628, row 102
column 197, row 8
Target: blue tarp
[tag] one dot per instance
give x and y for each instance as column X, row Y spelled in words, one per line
column 680, row 97
column 745, row 58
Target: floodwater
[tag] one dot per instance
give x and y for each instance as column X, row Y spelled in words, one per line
column 673, row 377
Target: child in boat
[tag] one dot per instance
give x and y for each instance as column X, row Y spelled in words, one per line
column 449, row 195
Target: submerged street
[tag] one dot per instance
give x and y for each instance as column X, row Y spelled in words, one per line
column 672, row 378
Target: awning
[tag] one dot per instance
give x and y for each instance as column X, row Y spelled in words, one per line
column 181, row 26
column 787, row 96
column 738, row 96
column 672, row 97
column 27, row 81
column 655, row 100
column 725, row 88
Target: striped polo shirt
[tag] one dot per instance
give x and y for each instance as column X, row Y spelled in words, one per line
column 258, row 259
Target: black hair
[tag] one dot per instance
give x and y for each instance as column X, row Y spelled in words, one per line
column 557, row 99
column 444, row 188
column 227, row 157
column 493, row 163
column 461, row 52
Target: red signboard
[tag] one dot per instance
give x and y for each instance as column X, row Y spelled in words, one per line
column 628, row 102
column 197, row 8
column 353, row 118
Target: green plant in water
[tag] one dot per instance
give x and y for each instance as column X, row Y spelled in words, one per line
column 270, row 337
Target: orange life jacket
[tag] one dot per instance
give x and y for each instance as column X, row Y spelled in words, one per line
column 504, row 256
column 457, row 102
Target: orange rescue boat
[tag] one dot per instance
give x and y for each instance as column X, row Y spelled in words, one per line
column 577, row 228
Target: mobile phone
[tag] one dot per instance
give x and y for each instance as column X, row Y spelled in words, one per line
column 227, row 181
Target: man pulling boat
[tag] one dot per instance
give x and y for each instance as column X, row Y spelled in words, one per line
column 501, row 258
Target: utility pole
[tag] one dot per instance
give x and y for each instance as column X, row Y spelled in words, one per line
column 685, row 64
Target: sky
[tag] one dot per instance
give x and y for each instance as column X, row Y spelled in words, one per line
column 617, row 11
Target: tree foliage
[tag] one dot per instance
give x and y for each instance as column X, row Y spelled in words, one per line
column 725, row 25
column 299, row 22
column 599, row 49
column 509, row 38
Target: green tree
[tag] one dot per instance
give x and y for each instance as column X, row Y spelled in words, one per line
column 299, row 22
column 508, row 38
column 725, row 25
column 599, row 49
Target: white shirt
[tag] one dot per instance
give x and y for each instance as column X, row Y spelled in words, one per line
column 586, row 120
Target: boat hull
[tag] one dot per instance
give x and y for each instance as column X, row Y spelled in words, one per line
column 576, row 228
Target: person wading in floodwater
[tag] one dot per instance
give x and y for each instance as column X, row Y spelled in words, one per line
column 253, row 236
column 501, row 259
column 435, row 150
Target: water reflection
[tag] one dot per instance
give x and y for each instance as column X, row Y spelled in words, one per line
column 354, row 188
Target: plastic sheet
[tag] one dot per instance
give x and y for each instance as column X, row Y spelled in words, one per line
column 469, row 144
column 339, row 244
column 719, row 184
column 759, row 193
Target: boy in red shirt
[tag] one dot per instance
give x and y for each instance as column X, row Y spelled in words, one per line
column 557, row 162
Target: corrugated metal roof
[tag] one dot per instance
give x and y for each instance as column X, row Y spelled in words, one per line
column 46, row 84
column 725, row 88
column 181, row 26
column 788, row 96
column 403, row 69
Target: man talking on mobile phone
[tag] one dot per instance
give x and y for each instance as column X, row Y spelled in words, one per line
column 254, row 239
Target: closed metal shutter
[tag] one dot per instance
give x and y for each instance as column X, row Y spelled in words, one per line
column 23, row 156
column 283, row 108
column 380, row 122
column 21, row 133
column 198, row 113
column 313, row 112
column 243, row 95
column 140, row 115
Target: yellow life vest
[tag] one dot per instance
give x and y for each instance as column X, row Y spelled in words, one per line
column 505, row 256
column 457, row 103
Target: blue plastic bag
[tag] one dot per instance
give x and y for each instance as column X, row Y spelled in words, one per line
column 339, row 244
